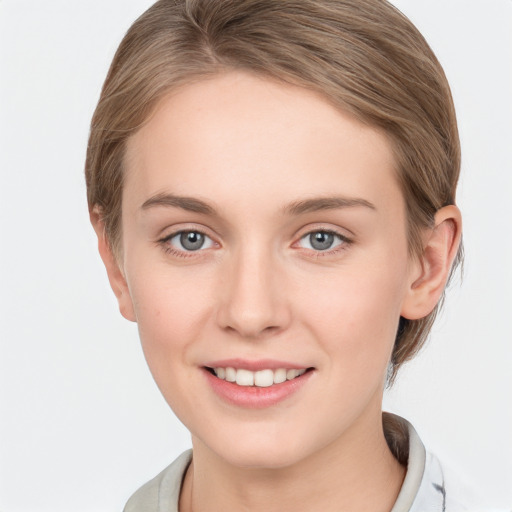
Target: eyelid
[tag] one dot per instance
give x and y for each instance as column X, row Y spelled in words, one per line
column 180, row 233
column 346, row 241
column 164, row 241
column 303, row 233
column 344, row 233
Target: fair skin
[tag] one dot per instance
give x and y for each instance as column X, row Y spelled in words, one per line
column 271, row 272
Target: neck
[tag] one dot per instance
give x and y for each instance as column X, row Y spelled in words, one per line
column 356, row 472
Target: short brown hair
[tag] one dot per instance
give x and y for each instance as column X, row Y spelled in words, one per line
column 364, row 56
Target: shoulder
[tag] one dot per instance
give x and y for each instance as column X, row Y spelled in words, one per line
column 445, row 490
column 428, row 486
column 162, row 492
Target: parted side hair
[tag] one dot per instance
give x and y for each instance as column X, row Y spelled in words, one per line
column 364, row 56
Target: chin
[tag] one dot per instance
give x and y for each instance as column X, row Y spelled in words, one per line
column 263, row 450
column 256, row 459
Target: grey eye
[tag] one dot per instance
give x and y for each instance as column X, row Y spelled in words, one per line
column 321, row 240
column 190, row 241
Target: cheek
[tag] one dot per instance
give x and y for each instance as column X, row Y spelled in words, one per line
column 171, row 311
column 355, row 316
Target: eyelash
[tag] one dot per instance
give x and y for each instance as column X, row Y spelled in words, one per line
column 345, row 242
column 169, row 249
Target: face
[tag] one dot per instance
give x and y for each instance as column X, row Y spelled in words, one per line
column 264, row 238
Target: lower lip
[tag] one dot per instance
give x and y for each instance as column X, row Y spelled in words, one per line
column 254, row 397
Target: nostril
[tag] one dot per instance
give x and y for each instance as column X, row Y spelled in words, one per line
column 251, row 330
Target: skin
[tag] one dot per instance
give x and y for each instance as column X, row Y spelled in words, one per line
column 253, row 150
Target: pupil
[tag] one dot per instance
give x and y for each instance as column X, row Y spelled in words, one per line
column 321, row 240
column 192, row 241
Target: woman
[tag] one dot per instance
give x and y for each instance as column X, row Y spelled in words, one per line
column 273, row 189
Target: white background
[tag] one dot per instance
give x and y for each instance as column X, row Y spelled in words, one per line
column 82, row 424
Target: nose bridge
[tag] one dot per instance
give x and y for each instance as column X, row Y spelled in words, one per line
column 253, row 300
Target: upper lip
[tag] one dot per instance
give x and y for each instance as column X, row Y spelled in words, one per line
column 255, row 365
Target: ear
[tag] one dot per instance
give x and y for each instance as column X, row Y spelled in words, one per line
column 115, row 275
column 430, row 272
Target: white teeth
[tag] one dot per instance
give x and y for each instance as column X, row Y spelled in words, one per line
column 279, row 376
column 220, row 372
column 291, row 374
column 261, row 378
column 230, row 374
column 244, row 377
column 264, row 378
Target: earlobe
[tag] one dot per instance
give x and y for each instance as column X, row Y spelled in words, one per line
column 115, row 275
column 431, row 271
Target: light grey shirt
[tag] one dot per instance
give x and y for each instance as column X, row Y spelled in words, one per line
column 425, row 488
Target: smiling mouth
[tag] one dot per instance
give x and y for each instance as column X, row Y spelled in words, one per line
column 260, row 378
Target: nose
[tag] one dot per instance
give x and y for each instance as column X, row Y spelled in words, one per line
column 253, row 301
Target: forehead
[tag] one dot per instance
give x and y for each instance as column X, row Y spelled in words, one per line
column 245, row 140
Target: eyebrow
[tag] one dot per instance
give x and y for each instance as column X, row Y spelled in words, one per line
column 300, row 207
column 189, row 204
column 325, row 203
